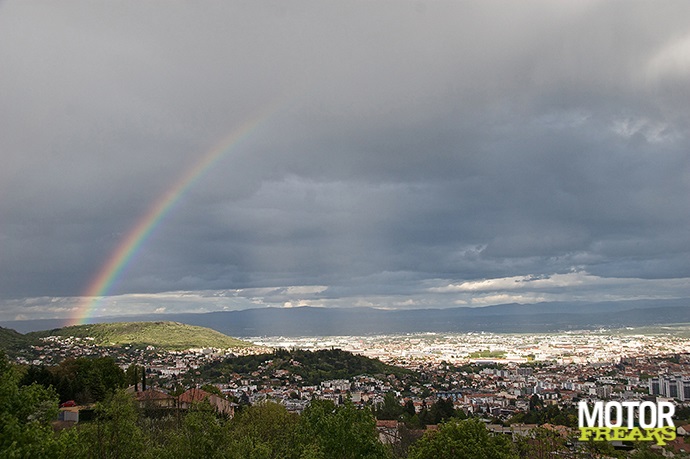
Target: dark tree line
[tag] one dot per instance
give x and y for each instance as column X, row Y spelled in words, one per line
column 440, row 411
column 85, row 380
column 312, row 366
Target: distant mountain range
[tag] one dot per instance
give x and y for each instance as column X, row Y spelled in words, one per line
column 505, row 318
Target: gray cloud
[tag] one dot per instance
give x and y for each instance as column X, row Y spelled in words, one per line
column 413, row 144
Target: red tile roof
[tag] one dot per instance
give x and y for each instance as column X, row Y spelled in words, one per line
column 193, row 395
column 152, row 394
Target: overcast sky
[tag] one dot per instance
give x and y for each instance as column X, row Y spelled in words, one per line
column 412, row 154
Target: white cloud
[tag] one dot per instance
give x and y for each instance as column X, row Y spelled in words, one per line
column 305, row 289
column 529, row 282
column 573, row 286
column 505, row 298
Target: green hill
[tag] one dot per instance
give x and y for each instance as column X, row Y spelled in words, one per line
column 312, row 367
column 11, row 340
column 164, row 335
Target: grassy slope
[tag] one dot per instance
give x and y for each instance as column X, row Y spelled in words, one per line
column 11, row 340
column 166, row 335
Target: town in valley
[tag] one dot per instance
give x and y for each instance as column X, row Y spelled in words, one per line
column 492, row 374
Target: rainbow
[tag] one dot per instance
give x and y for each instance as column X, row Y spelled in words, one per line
column 135, row 238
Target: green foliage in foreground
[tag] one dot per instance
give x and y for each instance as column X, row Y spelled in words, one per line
column 312, row 366
column 114, row 434
column 25, row 415
column 466, row 439
column 324, row 431
column 164, row 335
column 119, row 430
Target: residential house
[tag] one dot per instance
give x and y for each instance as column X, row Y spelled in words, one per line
column 154, row 398
column 194, row 395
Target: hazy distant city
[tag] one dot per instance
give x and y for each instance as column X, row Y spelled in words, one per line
column 563, row 348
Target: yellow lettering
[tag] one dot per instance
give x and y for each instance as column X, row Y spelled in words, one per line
column 660, row 435
column 620, row 433
column 603, row 434
column 586, row 433
column 663, row 434
column 636, row 434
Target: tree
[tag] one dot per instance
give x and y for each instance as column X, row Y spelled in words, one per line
column 202, row 435
column 390, row 409
column 598, row 450
column 409, row 408
column 132, row 376
column 542, row 443
column 535, row 403
column 340, row 432
column 406, row 438
column 458, row 439
column 442, row 410
column 114, row 434
column 25, row 415
column 39, row 374
column 644, row 451
column 265, row 430
column 85, row 380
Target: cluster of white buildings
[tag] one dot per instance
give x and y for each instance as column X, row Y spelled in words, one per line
column 672, row 386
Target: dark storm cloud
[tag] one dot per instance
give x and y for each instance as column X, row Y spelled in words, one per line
column 415, row 146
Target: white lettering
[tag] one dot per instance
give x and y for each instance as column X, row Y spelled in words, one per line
column 666, row 411
column 651, row 407
column 613, row 406
column 611, row 415
column 593, row 418
column 631, row 412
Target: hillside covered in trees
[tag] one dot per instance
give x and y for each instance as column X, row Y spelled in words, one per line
column 312, row 367
column 11, row 340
